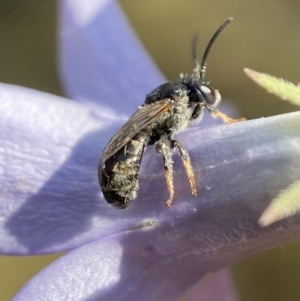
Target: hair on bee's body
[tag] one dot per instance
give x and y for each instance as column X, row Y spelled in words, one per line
column 166, row 110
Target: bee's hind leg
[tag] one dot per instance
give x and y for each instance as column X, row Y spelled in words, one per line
column 187, row 165
column 163, row 147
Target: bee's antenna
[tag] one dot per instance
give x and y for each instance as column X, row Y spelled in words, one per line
column 207, row 50
column 195, row 57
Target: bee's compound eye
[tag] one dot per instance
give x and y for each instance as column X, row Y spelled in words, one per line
column 211, row 95
column 205, row 89
column 208, row 94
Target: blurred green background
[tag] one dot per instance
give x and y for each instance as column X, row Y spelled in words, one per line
column 264, row 36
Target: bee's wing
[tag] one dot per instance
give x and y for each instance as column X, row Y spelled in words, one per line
column 139, row 120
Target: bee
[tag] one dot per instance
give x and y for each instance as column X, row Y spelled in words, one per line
column 166, row 110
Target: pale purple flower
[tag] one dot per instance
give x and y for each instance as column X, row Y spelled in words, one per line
column 50, row 199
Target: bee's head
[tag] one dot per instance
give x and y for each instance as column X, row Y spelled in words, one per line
column 200, row 91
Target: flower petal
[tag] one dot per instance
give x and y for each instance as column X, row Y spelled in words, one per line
column 51, row 200
column 101, row 58
column 49, row 154
column 216, row 286
column 138, row 265
column 165, row 256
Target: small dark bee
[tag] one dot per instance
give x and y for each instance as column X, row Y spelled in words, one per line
column 166, row 110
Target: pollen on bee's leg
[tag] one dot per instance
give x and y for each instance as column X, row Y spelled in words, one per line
column 187, row 165
column 217, row 113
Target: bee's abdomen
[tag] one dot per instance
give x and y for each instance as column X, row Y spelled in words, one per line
column 119, row 174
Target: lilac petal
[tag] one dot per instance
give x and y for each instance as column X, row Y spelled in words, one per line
column 48, row 161
column 214, row 287
column 138, row 265
column 163, row 258
column 239, row 168
column 50, row 198
column 101, row 59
